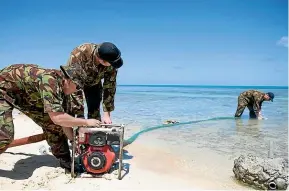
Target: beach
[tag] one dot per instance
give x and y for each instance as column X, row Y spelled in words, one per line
column 25, row 168
column 195, row 156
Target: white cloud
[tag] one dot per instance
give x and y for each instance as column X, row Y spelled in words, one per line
column 283, row 41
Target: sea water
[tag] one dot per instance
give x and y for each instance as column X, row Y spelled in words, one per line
column 142, row 107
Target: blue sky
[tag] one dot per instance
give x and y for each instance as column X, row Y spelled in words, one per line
column 198, row 42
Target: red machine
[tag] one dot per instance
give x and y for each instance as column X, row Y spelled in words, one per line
column 93, row 152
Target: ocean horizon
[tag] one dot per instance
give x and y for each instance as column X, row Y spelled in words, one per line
column 205, row 86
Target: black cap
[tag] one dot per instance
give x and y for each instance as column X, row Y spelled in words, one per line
column 109, row 52
column 75, row 73
column 271, row 95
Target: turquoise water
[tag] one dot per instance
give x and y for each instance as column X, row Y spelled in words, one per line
column 143, row 107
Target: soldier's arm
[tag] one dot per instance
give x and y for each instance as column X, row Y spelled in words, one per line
column 109, row 90
column 258, row 103
column 51, row 92
column 65, row 120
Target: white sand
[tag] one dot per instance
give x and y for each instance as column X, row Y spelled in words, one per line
column 24, row 168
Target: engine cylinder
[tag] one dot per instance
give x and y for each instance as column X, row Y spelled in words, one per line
column 97, row 139
column 98, row 160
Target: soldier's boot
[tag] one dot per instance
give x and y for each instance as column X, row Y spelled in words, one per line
column 65, row 164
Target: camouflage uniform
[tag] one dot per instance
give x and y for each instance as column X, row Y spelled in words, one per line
column 85, row 56
column 252, row 99
column 35, row 92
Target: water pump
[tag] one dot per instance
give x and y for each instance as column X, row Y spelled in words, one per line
column 93, row 151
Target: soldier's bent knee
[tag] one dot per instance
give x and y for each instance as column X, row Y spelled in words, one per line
column 6, row 125
column 4, row 145
column 6, row 136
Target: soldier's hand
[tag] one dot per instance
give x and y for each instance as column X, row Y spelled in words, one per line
column 93, row 122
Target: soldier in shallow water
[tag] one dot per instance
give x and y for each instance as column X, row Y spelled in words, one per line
column 252, row 99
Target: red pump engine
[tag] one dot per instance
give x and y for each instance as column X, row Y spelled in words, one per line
column 93, row 147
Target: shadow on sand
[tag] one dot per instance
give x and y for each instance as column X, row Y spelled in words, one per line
column 24, row 168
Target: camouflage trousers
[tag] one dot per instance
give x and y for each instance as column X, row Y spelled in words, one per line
column 242, row 104
column 54, row 134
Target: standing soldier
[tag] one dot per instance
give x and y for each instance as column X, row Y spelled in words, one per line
column 252, row 99
column 42, row 95
column 98, row 61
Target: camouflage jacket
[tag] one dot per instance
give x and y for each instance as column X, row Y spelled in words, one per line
column 33, row 88
column 254, row 97
column 84, row 55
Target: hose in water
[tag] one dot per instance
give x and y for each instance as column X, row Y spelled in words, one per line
column 40, row 137
column 136, row 135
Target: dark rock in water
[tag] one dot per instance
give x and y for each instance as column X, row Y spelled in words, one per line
column 265, row 174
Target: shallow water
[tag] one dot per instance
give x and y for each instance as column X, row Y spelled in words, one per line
column 145, row 106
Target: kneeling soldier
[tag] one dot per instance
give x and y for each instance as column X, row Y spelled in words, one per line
column 44, row 95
